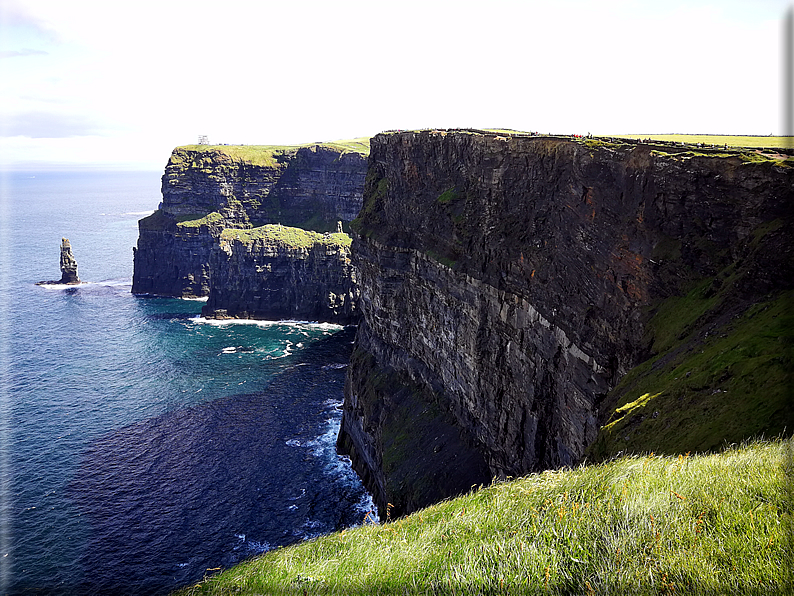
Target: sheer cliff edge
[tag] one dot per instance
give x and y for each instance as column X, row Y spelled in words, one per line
column 531, row 301
column 260, row 231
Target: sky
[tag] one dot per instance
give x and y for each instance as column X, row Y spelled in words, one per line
column 119, row 84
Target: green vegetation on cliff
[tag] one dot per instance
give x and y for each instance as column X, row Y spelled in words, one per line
column 730, row 140
column 159, row 221
column 650, row 524
column 156, row 222
column 696, row 396
column 720, row 365
column 270, row 155
column 287, row 236
column 200, row 219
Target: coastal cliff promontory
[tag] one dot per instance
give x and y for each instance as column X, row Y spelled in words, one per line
column 211, row 190
column 277, row 272
column 528, row 301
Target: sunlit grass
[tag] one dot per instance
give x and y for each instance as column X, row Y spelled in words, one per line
column 638, row 525
column 287, row 236
column 720, row 140
column 270, row 155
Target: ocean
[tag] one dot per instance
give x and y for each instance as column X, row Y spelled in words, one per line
column 141, row 446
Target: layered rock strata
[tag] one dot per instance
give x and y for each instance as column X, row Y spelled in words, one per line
column 207, row 190
column 275, row 272
column 507, row 284
column 68, row 266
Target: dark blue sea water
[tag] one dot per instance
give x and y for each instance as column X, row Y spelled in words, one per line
column 140, row 445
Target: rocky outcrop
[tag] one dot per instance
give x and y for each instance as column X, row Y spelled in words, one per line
column 172, row 257
column 209, row 189
column 68, row 266
column 509, row 282
column 275, row 272
column 309, row 187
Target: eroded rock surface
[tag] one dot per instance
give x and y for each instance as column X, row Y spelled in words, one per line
column 507, row 283
column 68, row 266
column 274, row 272
column 209, row 190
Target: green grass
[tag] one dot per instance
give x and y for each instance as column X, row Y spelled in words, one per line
column 156, row 222
column 715, row 524
column 730, row 140
column 270, row 155
column 732, row 384
column 358, row 145
column 197, row 220
column 291, row 237
column 448, row 196
column 768, row 142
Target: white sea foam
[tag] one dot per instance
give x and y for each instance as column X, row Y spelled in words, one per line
column 262, row 322
column 258, row 547
column 113, row 283
column 334, row 366
column 149, row 212
column 197, row 299
column 300, row 496
column 82, row 284
column 88, row 285
column 326, row 442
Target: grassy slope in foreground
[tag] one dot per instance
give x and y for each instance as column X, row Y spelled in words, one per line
column 714, row 524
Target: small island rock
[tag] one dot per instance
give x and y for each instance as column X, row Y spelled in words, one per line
column 68, row 266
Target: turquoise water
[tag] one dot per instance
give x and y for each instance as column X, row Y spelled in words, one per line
column 140, row 444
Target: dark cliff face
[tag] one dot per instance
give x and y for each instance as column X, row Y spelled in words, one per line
column 172, row 259
column 283, row 273
column 512, row 282
column 207, row 190
column 308, row 187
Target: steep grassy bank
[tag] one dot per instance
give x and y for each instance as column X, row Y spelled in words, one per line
column 717, row 383
column 716, row 524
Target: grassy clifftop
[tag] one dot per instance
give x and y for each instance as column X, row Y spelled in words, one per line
column 269, row 155
column 716, row 524
column 287, row 236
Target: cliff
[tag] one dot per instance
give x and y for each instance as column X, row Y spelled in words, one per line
column 209, row 189
column 276, row 272
column 528, row 299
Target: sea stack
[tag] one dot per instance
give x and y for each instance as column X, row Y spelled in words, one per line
column 68, row 264
column 68, row 267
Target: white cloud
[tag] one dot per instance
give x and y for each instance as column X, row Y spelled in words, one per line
column 281, row 72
